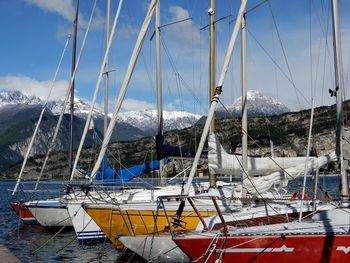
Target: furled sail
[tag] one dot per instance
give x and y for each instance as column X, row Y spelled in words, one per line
column 261, row 184
column 264, row 172
column 220, row 162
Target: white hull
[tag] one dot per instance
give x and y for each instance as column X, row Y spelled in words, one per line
column 84, row 226
column 50, row 213
column 155, row 248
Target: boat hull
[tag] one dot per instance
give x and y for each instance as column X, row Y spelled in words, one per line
column 155, row 248
column 87, row 231
column 50, row 213
column 273, row 248
column 24, row 213
column 115, row 223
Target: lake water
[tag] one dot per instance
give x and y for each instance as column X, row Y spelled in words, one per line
column 23, row 240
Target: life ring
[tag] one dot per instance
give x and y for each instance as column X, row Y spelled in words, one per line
column 297, row 195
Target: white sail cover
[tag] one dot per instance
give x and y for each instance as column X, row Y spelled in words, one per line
column 263, row 172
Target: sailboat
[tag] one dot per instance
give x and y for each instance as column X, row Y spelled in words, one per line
column 85, row 227
column 22, row 209
column 134, row 215
column 323, row 237
column 159, row 247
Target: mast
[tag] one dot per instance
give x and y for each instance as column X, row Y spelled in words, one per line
column 217, row 93
column 344, row 189
column 211, row 13
column 105, row 91
column 244, row 101
column 159, row 137
column 97, row 89
column 70, row 155
column 123, row 89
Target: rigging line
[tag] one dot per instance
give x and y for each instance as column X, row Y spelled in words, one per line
column 275, row 70
column 326, row 47
column 310, row 50
column 176, row 22
column 52, row 143
column 52, row 84
column 258, row 145
column 218, row 20
column 169, row 24
column 279, row 67
column 251, row 9
column 283, row 51
column 252, row 183
column 176, row 72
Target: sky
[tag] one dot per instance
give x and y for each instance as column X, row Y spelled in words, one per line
column 289, row 51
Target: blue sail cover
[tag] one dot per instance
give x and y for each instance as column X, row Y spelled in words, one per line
column 109, row 176
column 167, row 150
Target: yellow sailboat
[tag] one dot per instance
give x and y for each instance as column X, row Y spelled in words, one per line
column 116, row 222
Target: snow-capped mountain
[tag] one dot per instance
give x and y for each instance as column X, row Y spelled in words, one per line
column 258, row 104
column 146, row 120
column 81, row 107
column 18, row 97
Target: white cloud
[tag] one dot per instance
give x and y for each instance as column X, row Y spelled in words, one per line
column 63, row 8
column 128, row 31
column 66, row 9
column 132, row 104
column 34, row 87
column 184, row 32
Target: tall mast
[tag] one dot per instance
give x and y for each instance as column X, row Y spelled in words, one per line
column 211, row 12
column 158, row 73
column 344, row 191
column 70, row 156
column 212, row 57
column 105, row 91
column 159, row 95
column 244, row 100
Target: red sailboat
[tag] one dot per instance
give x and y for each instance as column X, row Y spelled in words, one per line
column 23, row 212
column 324, row 237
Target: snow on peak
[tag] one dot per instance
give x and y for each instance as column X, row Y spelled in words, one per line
column 146, row 120
column 258, row 104
column 21, row 98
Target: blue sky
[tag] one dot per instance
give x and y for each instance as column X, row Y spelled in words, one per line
column 33, row 33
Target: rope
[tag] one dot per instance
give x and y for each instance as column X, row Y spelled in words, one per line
column 47, row 241
column 258, row 145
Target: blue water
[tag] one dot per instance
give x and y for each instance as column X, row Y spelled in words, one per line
column 23, row 240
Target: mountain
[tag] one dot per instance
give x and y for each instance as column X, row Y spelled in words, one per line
column 146, row 120
column 81, row 107
column 289, row 133
column 258, row 105
column 19, row 114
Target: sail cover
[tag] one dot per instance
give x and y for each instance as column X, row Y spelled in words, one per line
column 220, row 162
column 117, row 177
column 263, row 172
column 167, row 150
column 261, row 184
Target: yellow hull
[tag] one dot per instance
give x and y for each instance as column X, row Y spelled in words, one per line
column 116, row 223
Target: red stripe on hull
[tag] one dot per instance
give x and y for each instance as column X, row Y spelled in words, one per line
column 293, row 248
column 23, row 212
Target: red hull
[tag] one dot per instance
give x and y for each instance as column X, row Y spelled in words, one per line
column 293, row 248
column 23, row 212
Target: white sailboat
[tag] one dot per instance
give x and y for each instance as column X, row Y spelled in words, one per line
column 160, row 247
column 324, row 237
